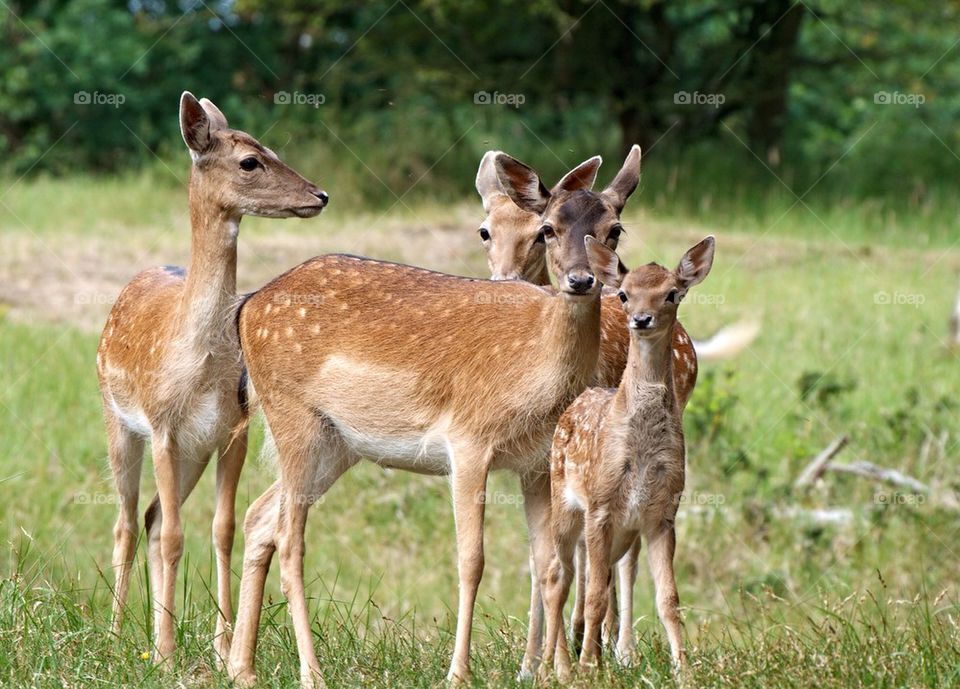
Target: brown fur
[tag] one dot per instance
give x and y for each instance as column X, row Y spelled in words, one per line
column 169, row 363
column 617, row 464
column 427, row 372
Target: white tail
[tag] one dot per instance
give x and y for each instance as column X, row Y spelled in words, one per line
column 727, row 342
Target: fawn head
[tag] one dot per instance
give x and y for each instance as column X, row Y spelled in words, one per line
column 569, row 213
column 511, row 237
column 651, row 294
column 237, row 173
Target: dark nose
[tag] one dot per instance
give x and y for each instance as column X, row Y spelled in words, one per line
column 643, row 321
column 580, row 283
column 322, row 195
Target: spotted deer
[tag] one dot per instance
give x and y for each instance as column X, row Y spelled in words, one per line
column 515, row 250
column 169, row 363
column 425, row 372
column 617, row 464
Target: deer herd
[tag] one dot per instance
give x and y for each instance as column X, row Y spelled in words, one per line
column 579, row 389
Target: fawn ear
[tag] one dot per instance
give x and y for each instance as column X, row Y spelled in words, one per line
column 696, row 263
column 521, row 184
column 194, row 125
column 626, row 181
column 488, row 184
column 217, row 119
column 604, row 262
column 581, row 177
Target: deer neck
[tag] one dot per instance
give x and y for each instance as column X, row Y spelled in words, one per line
column 648, row 376
column 573, row 324
column 211, row 283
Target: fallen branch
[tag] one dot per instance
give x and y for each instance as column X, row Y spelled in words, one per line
column 816, row 468
column 878, row 473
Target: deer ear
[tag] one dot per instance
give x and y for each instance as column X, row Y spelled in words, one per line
column 521, row 184
column 696, row 263
column 626, row 181
column 194, row 125
column 581, row 177
column 217, row 119
column 604, row 262
column 488, row 185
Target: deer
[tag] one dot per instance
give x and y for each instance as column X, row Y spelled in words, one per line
column 617, row 464
column 425, row 372
column 170, row 369
column 515, row 250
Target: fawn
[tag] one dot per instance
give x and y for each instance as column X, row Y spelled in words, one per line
column 169, row 363
column 617, row 462
column 516, row 250
column 425, row 372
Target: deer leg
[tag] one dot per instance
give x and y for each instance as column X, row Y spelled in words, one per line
column 167, row 466
column 611, row 621
column 555, row 585
column 599, row 538
column 660, row 550
column 579, row 597
column 259, row 530
column 536, row 506
column 229, row 465
column 126, row 460
column 187, row 472
column 470, row 467
column 627, row 577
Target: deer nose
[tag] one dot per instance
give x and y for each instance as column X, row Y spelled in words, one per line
column 642, row 321
column 322, row 195
column 580, row 283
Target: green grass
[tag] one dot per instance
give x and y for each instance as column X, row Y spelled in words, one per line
column 771, row 598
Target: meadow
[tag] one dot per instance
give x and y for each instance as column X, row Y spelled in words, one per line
column 847, row 583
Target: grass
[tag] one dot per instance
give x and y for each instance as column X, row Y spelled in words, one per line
column 853, row 341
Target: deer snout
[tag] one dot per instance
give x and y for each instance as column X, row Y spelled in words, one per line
column 580, row 283
column 321, row 195
column 643, row 321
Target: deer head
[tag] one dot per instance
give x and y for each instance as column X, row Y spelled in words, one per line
column 511, row 236
column 651, row 294
column 237, row 174
column 569, row 213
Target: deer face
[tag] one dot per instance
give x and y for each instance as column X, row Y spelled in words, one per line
column 239, row 174
column 651, row 294
column 570, row 212
column 511, row 236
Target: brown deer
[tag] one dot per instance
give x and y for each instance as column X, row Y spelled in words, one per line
column 617, row 462
column 421, row 371
column 169, row 363
column 516, row 250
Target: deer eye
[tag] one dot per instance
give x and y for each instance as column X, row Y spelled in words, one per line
column 484, row 234
column 623, row 296
column 614, row 236
column 539, row 239
column 547, row 232
column 249, row 164
column 674, row 296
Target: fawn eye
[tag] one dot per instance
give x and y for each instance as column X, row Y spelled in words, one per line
column 674, row 296
column 547, row 232
column 623, row 296
column 484, row 234
column 249, row 164
column 539, row 239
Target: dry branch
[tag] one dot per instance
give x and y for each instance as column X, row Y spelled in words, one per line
column 816, row 468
